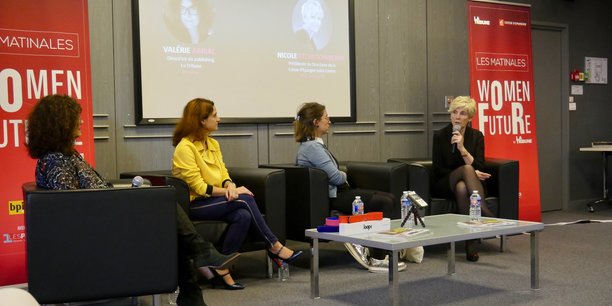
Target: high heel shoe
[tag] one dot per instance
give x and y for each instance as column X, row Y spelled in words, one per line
column 219, row 280
column 470, row 253
column 279, row 260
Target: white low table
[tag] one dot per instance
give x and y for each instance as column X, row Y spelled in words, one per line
column 442, row 229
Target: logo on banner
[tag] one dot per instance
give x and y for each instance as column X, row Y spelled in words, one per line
column 16, row 208
column 14, row 237
column 496, row 96
column 41, row 43
column 501, row 62
column 481, row 22
column 503, row 22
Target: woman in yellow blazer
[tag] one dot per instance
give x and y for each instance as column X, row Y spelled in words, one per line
column 198, row 161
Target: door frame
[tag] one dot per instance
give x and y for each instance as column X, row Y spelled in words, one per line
column 565, row 85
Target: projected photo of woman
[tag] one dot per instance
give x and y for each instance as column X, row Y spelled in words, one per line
column 312, row 23
column 190, row 21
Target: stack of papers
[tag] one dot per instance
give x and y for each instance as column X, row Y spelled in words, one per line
column 401, row 231
column 487, row 223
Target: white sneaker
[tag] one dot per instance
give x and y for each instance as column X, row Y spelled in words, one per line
column 382, row 265
column 359, row 252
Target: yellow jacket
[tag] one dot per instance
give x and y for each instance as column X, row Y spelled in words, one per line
column 200, row 169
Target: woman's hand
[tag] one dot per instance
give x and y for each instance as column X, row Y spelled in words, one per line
column 231, row 192
column 244, row 190
column 482, row 175
column 458, row 139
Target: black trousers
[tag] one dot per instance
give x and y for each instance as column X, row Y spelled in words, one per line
column 191, row 246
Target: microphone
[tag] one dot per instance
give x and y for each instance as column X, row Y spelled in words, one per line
column 456, row 129
column 137, row 181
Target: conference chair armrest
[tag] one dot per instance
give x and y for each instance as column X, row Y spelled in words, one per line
column 268, row 186
column 503, row 184
column 419, row 175
column 381, row 176
column 306, row 198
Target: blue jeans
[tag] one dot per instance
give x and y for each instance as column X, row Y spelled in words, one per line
column 242, row 215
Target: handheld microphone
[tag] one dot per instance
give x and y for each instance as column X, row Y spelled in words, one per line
column 137, row 181
column 456, row 129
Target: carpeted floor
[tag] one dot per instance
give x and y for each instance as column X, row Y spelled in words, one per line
column 575, row 260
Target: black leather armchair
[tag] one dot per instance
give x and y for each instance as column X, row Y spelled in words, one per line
column 93, row 244
column 501, row 188
column 307, row 199
column 268, row 186
column 307, row 190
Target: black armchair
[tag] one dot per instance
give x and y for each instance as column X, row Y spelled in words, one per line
column 268, row 185
column 122, row 241
column 501, row 188
column 307, row 190
column 307, row 199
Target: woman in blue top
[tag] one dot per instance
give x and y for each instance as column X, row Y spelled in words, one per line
column 311, row 123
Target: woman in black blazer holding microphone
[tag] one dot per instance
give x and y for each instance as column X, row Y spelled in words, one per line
column 458, row 161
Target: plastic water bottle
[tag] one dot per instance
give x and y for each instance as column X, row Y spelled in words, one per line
column 475, row 211
column 283, row 272
column 406, row 205
column 357, row 206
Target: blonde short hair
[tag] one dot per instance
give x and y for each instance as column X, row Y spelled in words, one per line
column 464, row 102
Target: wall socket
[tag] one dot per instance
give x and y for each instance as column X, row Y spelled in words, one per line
column 447, row 101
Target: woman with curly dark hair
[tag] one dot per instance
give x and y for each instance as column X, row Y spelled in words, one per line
column 53, row 126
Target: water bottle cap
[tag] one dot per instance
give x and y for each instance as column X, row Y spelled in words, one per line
column 357, row 197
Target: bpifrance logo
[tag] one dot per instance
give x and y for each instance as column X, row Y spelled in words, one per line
column 16, row 207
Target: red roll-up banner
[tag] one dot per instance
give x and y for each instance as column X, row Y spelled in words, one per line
column 44, row 49
column 501, row 82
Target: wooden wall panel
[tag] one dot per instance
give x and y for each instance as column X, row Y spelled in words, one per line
column 360, row 140
column 102, row 82
column 447, row 62
column 283, row 147
column 403, row 78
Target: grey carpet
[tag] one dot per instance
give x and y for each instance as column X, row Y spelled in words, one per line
column 574, row 264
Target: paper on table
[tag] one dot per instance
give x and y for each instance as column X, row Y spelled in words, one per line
column 486, row 223
column 401, row 231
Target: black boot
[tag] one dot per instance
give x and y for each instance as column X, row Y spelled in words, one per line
column 190, row 295
column 211, row 258
column 203, row 252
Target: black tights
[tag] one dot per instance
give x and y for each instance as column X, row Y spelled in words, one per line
column 463, row 181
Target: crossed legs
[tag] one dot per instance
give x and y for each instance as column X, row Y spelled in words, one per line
column 463, row 181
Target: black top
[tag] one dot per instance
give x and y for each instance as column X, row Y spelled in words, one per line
column 445, row 161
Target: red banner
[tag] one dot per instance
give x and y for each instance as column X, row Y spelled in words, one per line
column 501, row 82
column 44, row 49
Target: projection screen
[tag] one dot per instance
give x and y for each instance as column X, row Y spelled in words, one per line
column 258, row 60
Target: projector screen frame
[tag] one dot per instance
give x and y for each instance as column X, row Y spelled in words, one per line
column 138, row 97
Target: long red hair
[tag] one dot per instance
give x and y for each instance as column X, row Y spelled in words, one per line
column 190, row 124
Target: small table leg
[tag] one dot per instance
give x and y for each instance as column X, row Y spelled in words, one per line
column 393, row 283
column 451, row 258
column 605, row 184
column 535, row 261
column 314, row 269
